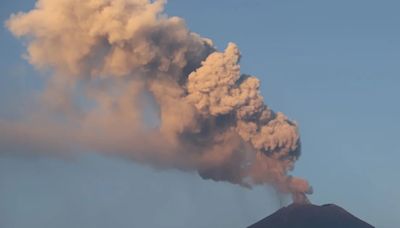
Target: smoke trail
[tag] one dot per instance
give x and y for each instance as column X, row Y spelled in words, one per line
column 114, row 61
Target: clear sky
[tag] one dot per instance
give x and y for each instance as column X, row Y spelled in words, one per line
column 333, row 66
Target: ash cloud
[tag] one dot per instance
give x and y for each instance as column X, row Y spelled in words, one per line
column 113, row 59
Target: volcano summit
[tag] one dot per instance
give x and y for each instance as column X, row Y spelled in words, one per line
column 311, row 216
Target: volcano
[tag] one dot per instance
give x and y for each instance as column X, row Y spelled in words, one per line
column 311, row 216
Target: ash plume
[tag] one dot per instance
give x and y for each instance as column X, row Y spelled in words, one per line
column 115, row 62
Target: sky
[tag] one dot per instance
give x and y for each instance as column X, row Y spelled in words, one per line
column 332, row 66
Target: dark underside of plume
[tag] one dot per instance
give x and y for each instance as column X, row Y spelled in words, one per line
column 311, row 216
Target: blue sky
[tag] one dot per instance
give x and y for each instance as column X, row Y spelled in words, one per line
column 330, row 65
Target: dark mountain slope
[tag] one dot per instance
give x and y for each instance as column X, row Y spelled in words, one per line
column 311, row 216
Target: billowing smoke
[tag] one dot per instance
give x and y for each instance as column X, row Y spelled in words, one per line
column 126, row 79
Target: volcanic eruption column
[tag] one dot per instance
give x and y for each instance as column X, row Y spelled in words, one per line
column 112, row 59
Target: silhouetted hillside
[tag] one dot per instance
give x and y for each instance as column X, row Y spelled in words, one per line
column 311, row 216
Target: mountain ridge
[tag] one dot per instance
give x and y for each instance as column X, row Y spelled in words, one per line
column 311, row 216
